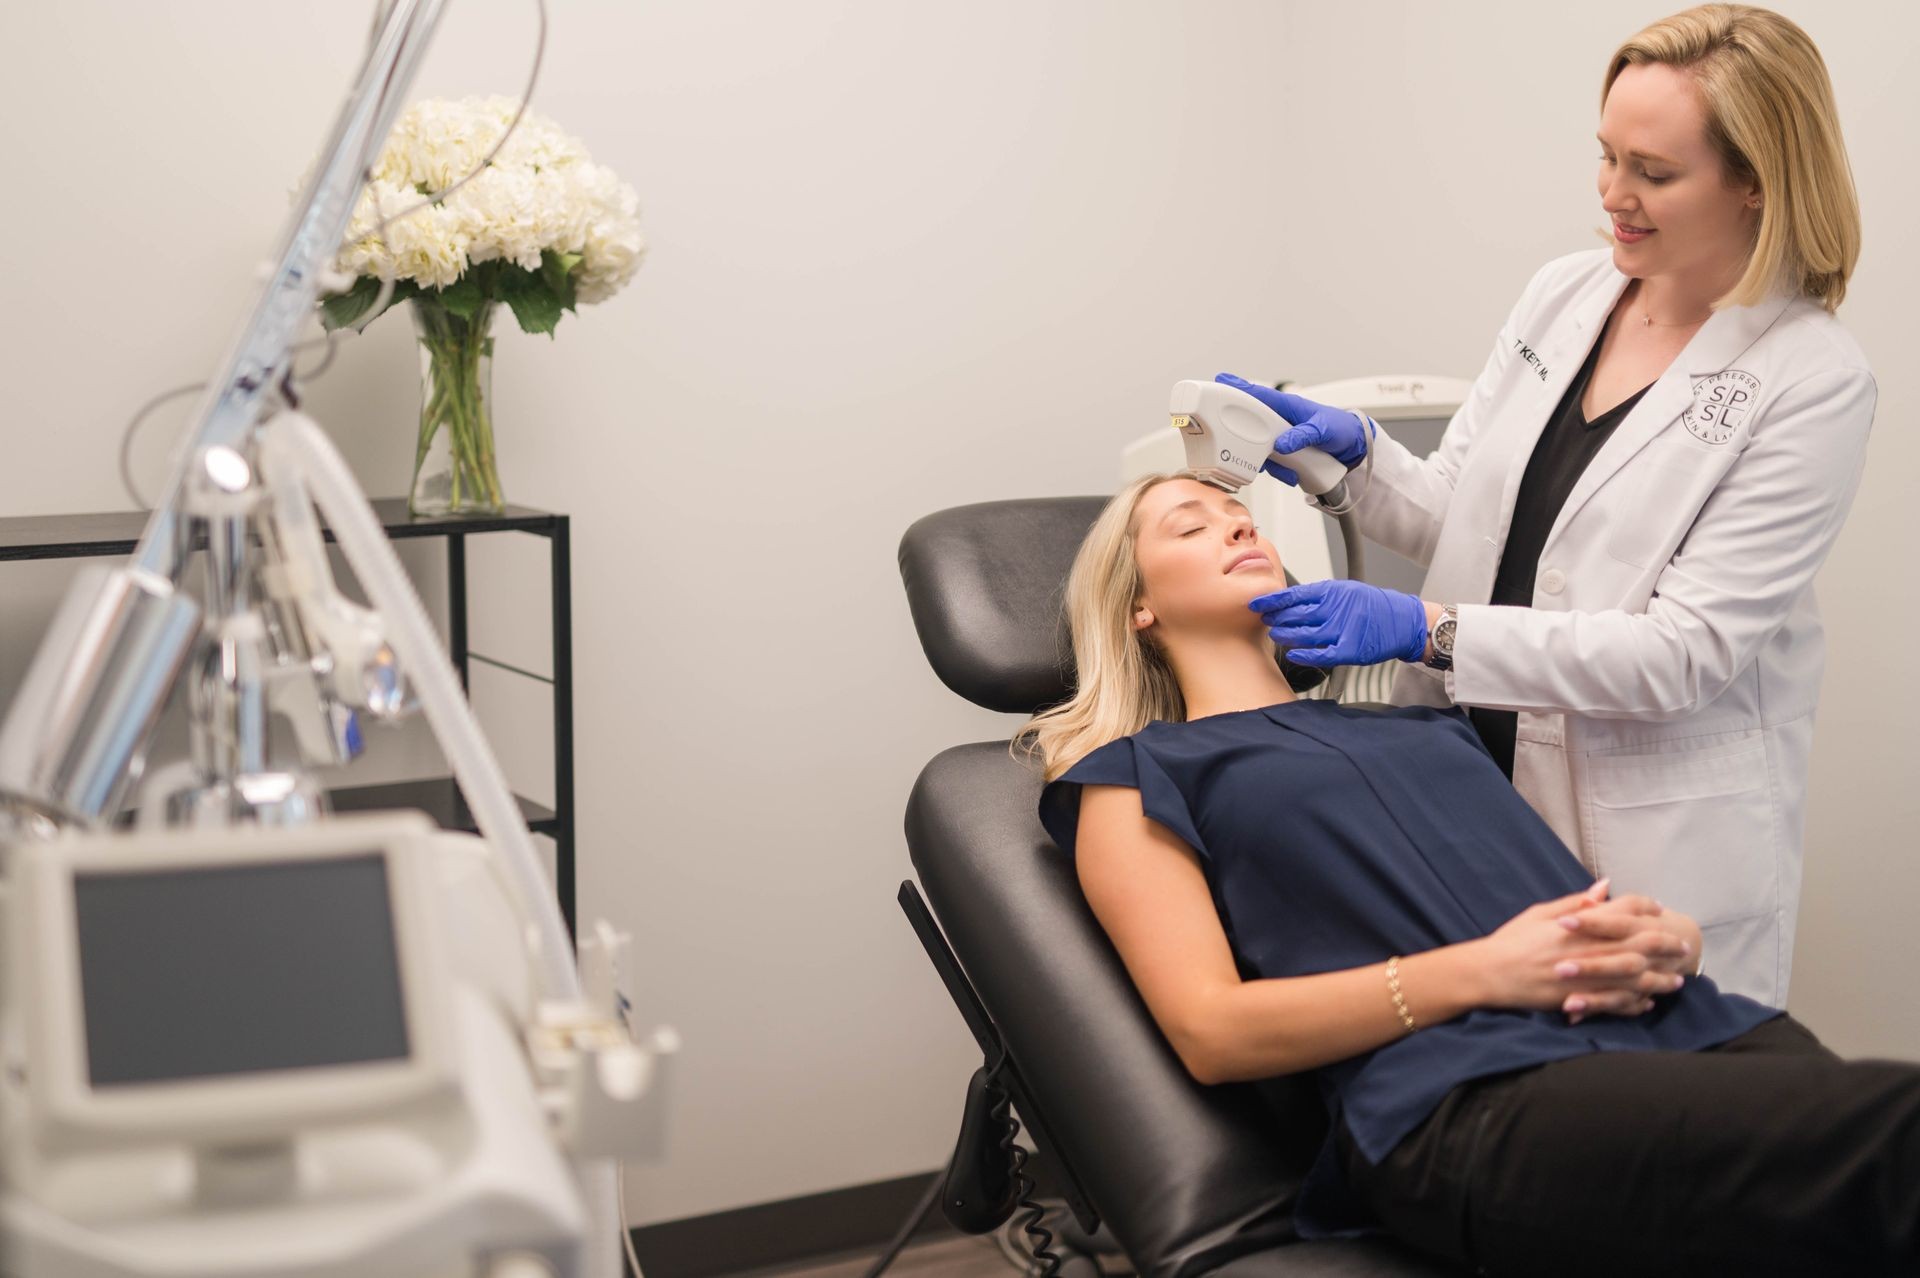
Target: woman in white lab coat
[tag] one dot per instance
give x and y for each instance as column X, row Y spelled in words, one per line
column 1623, row 522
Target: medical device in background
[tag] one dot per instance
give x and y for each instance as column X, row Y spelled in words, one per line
column 1227, row 435
column 283, row 1050
column 453, row 1106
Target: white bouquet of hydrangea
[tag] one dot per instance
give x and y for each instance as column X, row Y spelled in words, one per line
column 542, row 229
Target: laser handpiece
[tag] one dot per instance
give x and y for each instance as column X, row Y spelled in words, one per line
column 1229, row 435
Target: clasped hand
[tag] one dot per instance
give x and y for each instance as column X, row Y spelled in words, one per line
column 1584, row 955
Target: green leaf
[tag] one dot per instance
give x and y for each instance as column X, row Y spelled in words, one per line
column 355, row 306
column 464, row 297
column 557, row 270
column 343, row 310
column 534, row 303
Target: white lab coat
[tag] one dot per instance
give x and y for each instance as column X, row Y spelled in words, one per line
column 1666, row 675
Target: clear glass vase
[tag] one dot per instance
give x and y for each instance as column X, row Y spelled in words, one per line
column 453, row 464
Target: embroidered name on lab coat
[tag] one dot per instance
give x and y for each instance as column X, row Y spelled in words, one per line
column 1526, row 353
column 1720, row 404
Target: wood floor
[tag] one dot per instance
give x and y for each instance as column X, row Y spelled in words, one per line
column 948, row 1256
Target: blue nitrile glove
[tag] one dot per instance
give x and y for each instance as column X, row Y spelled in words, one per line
column 1344, row 623
column 1334, row 431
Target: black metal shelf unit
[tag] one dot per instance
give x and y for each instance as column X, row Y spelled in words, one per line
column 116, row 533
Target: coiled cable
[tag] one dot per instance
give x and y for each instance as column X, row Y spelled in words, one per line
column 1039, row 1238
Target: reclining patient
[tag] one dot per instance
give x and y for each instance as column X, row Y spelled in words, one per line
column 1521, row 1071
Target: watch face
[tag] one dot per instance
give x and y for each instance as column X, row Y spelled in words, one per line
column 1443, row 635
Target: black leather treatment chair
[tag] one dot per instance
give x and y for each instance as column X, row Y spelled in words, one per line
column 1187, row 1179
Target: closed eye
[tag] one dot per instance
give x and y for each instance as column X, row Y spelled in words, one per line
column 1657, row 181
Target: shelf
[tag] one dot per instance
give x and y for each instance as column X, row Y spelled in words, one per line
column 440, row 799
column 118, row 532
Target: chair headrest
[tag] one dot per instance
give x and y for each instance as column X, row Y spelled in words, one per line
column 986, row 584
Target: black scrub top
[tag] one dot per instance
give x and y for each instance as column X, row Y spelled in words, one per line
column 1562, row 454
column 1333, row 838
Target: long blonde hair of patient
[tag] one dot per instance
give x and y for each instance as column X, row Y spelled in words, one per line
column 1122, row 679
column 1772, row 120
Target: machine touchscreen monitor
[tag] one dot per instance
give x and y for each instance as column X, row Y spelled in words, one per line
column 230, row 986
column 222, row 970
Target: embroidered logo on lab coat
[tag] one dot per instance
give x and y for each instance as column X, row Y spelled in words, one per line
column 1720, row 404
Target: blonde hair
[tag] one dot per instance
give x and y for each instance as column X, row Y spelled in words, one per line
column 1771, row 118
column 1122, row 679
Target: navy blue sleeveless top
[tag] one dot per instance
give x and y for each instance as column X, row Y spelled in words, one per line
column 1334, row 838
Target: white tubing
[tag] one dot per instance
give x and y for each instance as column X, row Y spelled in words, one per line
column 423, row 661
column 293, row 437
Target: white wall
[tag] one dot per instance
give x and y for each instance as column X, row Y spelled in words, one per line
column 926, row 255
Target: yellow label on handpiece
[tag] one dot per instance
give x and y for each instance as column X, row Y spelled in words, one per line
column 1184, row 423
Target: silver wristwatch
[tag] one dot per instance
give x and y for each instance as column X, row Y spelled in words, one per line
column 1442, row 657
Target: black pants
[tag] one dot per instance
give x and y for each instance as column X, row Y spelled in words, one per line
column 1765, row 1155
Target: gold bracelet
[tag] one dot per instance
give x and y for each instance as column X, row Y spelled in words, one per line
column 1393, row 984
